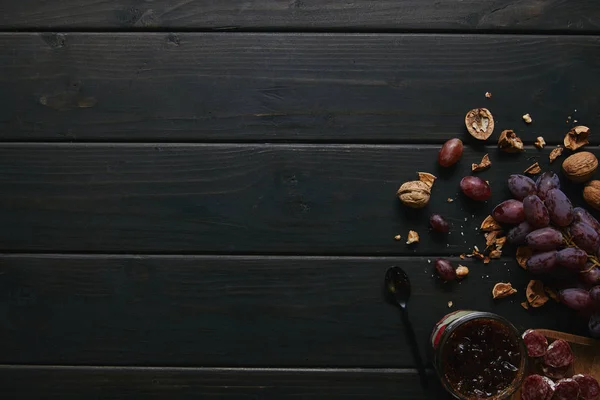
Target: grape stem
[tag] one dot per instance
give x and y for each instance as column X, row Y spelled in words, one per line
column 569, row 241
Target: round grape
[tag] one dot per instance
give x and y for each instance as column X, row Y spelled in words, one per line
column 536, row 212
column 438, row 223
column 547, row 181
column 572, row 257
column 582, row 215
column 544, row 239
column 559, row 207
column 575, row 298
column 509, row 212
column 518, row 234
column 590, row 276
column 475, row 188
column 585, row 237
column 450, row 152
column 542, row 262
column 521, row 186
column 445, row 270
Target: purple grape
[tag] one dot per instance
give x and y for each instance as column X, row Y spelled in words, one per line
column 518, row 234
column 594, row 325
column 544, row 239
column 590, row 276
column 575, row 298
column 559, row 206
column 445, row 270
column 536, row 212
column 547, row 181
column 521, row 186
column 438, row 223
column 595, row 295
column 509, row 212
column 542, row 262
column 572, row 258
column 582, row 215
column 585, row 237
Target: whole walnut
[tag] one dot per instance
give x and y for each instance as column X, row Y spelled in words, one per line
column 414, row 194
column 591, row 194
column 580, row 167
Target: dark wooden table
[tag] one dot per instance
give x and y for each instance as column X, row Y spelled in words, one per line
column 197, row 198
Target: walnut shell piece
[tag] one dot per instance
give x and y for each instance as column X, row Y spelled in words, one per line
column 539, row 142
column 502, row 290
column 523, row 254
column 533, row 169
column 510, row 142
column 414, row 194
column 489, row 224
column 591, row 194
column 554, row 154
column 577, row 137
column 536, row 296
column 484, row 164
column 580, row 167
column 480, row 123
column 427, row 178
column 413, row 237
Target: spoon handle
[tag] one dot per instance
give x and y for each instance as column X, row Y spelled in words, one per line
column 414, row 347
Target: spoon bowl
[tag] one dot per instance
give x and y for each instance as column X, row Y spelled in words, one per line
column 397, row 287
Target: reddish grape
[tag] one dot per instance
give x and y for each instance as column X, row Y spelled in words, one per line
column 575, row 298
column 572, row 257
column 581, row 215
column 450, row 152
column 475, row 188
column 521, row 186
column 509, row 212
column 590, row 276
column 559, row 206
column 536, row 212
column 547, row 181
column 585, row 237
column 544, row 239
column 594, row 325
column 595, row 295
column 438, row 223
column 518, row 234
column 445, row 270
column 542, row 262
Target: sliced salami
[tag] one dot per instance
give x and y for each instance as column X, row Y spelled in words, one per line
column 555, row 373
column 559, row 354
column 566, row 389
column 589, row 389
column 535, row 342
column 536, row 387
column 551, row 388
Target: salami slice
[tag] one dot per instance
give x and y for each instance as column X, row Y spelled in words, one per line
column 536, row 387
column 551, row 388
column 559, row 354
column 555, row 373
column 589, row 389
column 566, row 389
column 536, row 343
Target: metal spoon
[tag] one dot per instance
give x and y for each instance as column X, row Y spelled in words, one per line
column 397, row 293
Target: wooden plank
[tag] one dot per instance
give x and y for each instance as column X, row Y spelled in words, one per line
column 239, row 199
column 289, row 87
column 66, row 383
column 237, row 311
column 575, row 15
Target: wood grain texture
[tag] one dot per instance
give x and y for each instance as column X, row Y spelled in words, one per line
column 237, row 311
column 374, row 88
column 67, row 383
column 575, row 15
column 239, row 199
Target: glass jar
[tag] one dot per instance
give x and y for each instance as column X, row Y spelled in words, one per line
column 451, row 346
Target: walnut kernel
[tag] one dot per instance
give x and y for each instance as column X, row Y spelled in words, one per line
column 539, row 142
column 527, row 118
column 554, row 154
column 462, row 271
column 413, row 237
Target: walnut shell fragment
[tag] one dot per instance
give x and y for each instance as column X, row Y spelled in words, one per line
column 533, row 169
column 413, row 237
column 495, row 253
column 484, row 164
column 427, row 178
column 554, row 154
column 480, row 123
column 536, row 297
column 489, row 224
column 502, row 290
column 510, row 142
column 500, row 242
column 414, row 194
column 577, row 137
column 523, row 254
column 539, row 142
column 525, row 305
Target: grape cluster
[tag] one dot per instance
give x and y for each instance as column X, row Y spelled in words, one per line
column 559, row 235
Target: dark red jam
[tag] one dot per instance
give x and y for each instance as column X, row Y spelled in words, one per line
column 481, row 358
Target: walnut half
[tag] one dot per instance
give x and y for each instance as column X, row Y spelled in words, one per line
column 510, row 142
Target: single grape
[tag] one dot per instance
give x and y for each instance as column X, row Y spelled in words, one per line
column 591, row 276
column 450, row 152
column 536, row 212
column 585, row 237
column 594, row 325
column 445, row 270
column 509, row 212
column 521, row 186
column 572, row 257
column 559, row 207
column 438, row 223
column 475, row 188
column 542, row 262
column 595, row 295
column 545, row 182
column 582, row 215
column 575, row 298
column 544, row 239
column 518, row 234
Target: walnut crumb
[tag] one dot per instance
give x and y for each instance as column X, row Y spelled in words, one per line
column 527, row 118
column 413, row 237
column 525, row 305
column 539, row 142
column 488, row 95
column 462, row 271
column 554, row 154
column 450, row 200
column 450, row 304
column 533, row 169
column 397, row 237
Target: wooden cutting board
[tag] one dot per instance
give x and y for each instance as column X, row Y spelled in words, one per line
column 586, row 351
